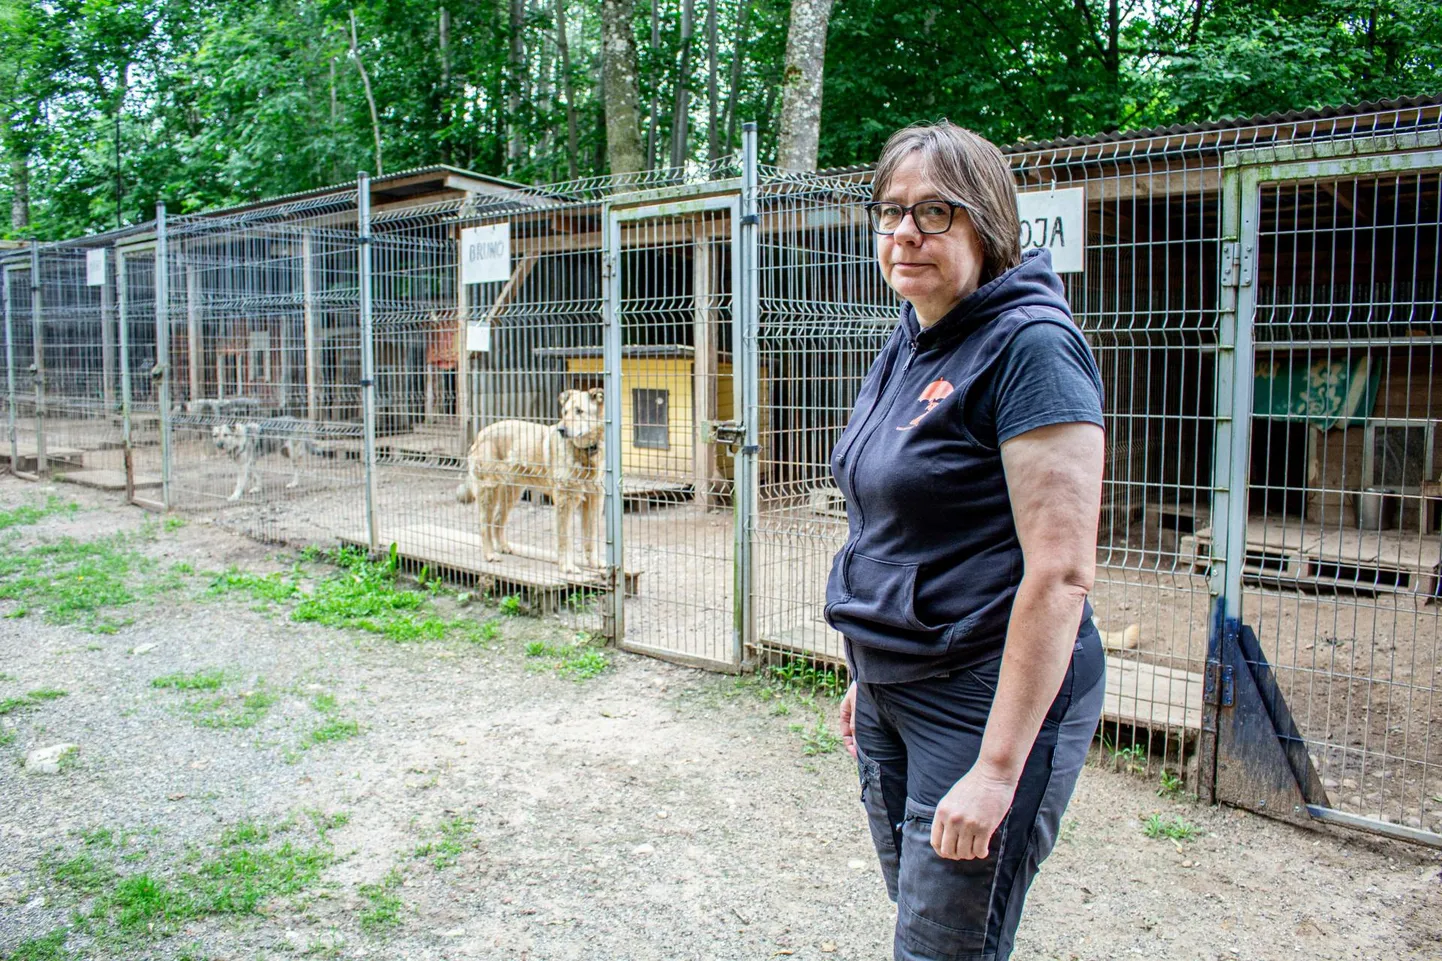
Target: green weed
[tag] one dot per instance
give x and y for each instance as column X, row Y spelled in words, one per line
column 1171, row 784
column 80, row 582
column 1172, row 826
column 199, row 681
column 35, row 698
column 324, row 702
column 47, row 947
column 27, row 514
column 262, row 587
column 579, row 661
column 483, row 632
column 244, row 710
column 818, row 738
column 454, row 836
column 173, row 523
column 510, row 605
column 384, row 907
column 795, row 674
column 338, row 729
column 325, row 823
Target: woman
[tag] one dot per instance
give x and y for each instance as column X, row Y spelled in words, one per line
column 972, row 469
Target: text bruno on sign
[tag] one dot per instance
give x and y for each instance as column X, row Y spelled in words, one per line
column 486, row 254
column 1055, row 220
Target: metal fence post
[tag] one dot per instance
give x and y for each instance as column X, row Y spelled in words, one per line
column 37, row 368
column 612, row 481
column 160, row 373
column 10, row 372
column 123, row 330
column 368, row 362
column 746, row 317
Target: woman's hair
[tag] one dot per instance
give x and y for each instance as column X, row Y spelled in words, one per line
column 970, row 170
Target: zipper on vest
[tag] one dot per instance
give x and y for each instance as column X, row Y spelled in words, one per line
column 854, row 454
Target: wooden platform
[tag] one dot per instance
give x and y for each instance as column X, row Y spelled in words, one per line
column 1396, row 562
column 107, row 480
column 29, row 457
column 1138, row 694
column 457, row 553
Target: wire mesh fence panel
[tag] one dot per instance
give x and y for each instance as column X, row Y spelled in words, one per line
column 1342, row 538
column 22, row 425
column 78, row 362
column 135, row 296
column 263, row 361
column 825, row 313
column 487, row 314
column 680, row 385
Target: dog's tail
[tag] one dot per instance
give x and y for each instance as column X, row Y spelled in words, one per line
column 465, row 493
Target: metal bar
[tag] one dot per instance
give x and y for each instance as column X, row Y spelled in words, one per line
column 107, row 338
column 1386, row 828
column 10, row 374
column 1348, row 167
column 612, row 487
column 161, row 371
column 42, row 466
column 368, row 360
column 745, row 313
column 1294, row 152
column 122, row 299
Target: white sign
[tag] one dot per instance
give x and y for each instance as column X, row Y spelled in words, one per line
column 95, row 268
column 478, row 336
column 486, row 254
column 1055, row 220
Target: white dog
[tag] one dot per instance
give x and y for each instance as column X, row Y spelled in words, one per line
column 564, row 459
column 249, row 442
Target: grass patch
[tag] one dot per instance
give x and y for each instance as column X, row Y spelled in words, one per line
column 262, row 587
column 1172, row 826
column 80, row 582
column 251, row 864
column 27, row 514
column 798, row 675
column 1171, row 785
column 580, row 660
column 243, row 710
column 199, row 681
column 453, row 838
column 47, row 947
column 336, row 729
column 173, row 523
column 818, row 738
column 9, row 705
column 383, row 907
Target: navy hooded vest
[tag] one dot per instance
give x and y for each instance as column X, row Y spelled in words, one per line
column 926, row 579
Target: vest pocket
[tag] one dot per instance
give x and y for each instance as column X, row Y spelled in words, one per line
column 881, row 592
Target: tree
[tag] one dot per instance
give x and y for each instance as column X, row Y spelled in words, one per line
column 801, row 84
column 620, row 97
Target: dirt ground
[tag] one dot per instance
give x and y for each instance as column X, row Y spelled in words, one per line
column 474, row 802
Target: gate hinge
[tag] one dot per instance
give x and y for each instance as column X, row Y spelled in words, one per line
column 1217, row 686
column 1231, row 254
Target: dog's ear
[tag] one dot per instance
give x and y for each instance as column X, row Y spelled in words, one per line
column 598, row 394
column 561, row 397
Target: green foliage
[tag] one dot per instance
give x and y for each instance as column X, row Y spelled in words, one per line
column 796, row 674
column 1172, row 826
column 199, row 681
column 580, row 660
column 452, row 838
column 510, row 605
column 1171, row 784
column 33, row 699
column 818, row 738
column 82, row 582
column 47, row 947
column 35, row 513
column 384, row 908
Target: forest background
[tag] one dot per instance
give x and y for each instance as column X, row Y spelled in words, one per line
column 111, row 105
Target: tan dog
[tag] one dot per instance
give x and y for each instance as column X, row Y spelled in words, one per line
column 565, row 460
column 1124, row 640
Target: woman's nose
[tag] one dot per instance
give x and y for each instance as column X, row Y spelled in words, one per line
column 906, row 232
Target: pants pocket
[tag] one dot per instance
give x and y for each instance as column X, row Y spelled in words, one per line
column 883, row 835
column 944, row 909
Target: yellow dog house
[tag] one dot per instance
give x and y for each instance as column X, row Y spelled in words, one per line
column 668, row 402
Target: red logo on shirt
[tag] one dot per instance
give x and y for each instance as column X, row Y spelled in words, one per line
column 935, row 393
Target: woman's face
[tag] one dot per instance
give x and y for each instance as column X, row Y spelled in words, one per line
column 933, row 271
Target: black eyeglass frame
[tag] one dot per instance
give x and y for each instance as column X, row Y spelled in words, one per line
column 871, row 206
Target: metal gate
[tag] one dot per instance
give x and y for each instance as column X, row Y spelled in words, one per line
column 1323, row 670
column 678, row 371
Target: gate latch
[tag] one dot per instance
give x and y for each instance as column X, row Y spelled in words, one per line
column 157, row 372
column 728, row 432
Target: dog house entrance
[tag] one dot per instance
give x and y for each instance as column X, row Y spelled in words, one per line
column 671, row 377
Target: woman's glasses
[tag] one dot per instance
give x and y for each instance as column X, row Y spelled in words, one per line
column 930, row 216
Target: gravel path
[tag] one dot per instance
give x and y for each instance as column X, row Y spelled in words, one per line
column 460, row 799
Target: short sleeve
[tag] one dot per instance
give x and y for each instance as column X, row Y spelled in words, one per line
column 1045, row 376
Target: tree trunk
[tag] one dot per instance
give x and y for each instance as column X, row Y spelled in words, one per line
column 563, row 45
column 713, row 105
column 653, row 120
column 516, row 146
column 443, row 41
column 680, row 114
column 20, row 185
column 799, row 135
column 737, row 59
column 370, row 96
column 618, row 70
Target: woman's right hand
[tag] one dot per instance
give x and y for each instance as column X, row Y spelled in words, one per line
column 848, row 720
